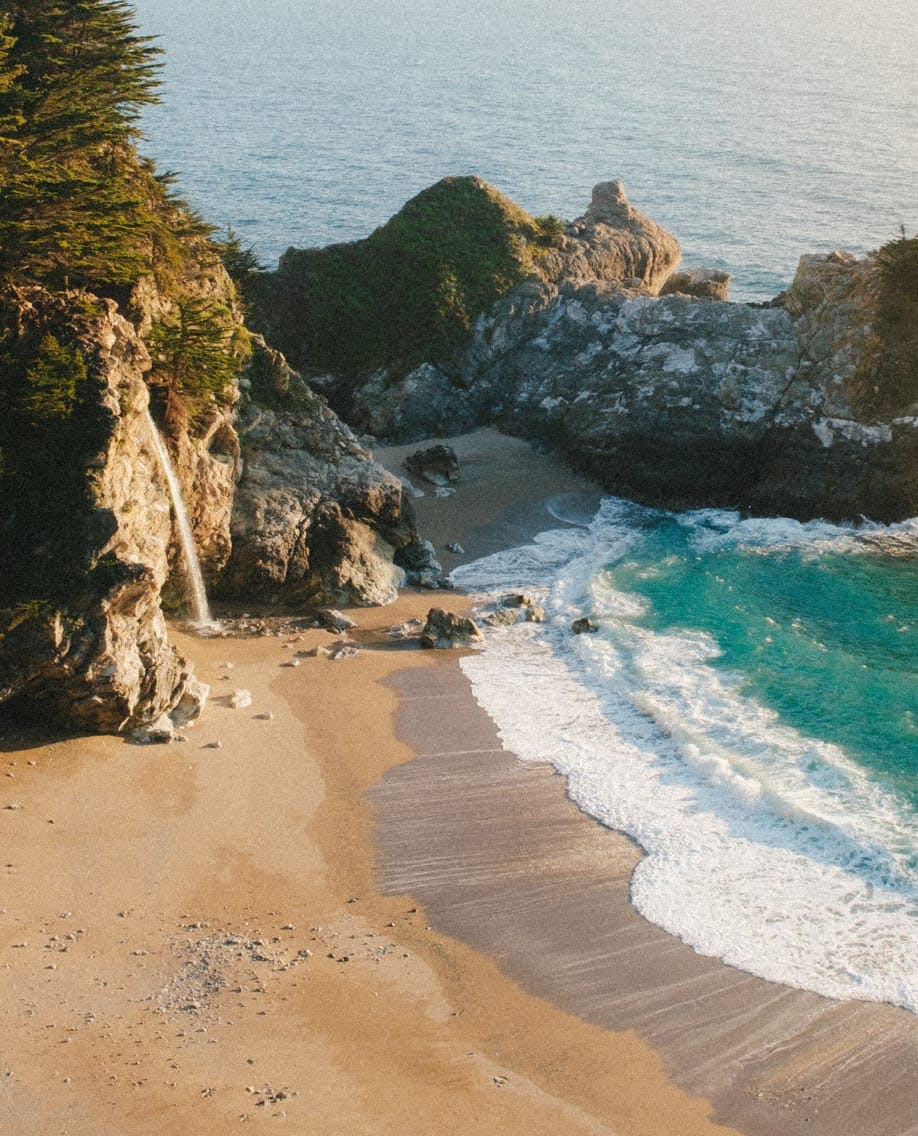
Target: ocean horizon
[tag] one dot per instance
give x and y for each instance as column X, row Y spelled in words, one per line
column 754, row 133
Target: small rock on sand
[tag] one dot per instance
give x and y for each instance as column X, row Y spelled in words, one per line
column 239, row 699
column 333, row 620
column 445, row 630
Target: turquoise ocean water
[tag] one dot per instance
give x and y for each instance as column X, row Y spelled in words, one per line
column 749, row 709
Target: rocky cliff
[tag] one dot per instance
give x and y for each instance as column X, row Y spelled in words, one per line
column 315, row 518
column 285, row 505
column 643, row 375
column 84, row 524
column 683, row 402
column 380, row 326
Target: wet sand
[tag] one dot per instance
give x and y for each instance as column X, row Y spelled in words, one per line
column 503, row 860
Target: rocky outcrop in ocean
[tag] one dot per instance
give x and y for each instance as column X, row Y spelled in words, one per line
column 380, row 326
column 682, row 402
column 645, row 375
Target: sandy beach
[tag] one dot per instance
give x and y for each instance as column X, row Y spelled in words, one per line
column 345, row 910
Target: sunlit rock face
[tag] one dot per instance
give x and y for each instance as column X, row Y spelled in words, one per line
column 315, row 518
column 96, row 656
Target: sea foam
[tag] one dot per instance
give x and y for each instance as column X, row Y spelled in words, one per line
column 770, row 849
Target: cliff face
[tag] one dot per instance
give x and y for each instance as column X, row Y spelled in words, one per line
column 381, row 325
column 315, row 518
column 82, row 635
column 682, row 402
column 295, row 511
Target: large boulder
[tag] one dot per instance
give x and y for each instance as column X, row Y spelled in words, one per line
column 702, row 283
column 315, row 518
column 444, row 630
column 409, row 408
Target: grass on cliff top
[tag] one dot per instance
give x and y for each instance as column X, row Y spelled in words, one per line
column 412, row 290
column 886, row 381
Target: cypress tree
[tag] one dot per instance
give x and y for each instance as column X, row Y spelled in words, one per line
column 76, row 206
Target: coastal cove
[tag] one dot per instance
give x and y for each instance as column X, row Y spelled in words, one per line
column 496, row 970
column 224, row 955
column 461, row 677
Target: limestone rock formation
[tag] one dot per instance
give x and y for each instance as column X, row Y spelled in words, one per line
column 83, row 639
column 315, row 519
column 614, row 242
column 702, row 283
column 682, row 403
column 380, row 325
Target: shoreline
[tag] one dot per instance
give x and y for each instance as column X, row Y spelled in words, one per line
column 771, row 1057
column 340, row 922
column 197, row 942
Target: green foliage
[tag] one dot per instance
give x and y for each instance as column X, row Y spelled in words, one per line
column 52, row 380
column 77, row 205
column 887, row 380
column 548, row 230
column 239, row 260
column 409, row 292
column 199, row 348
column 12, row 617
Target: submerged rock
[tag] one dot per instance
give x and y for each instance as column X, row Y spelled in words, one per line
column 584, row 626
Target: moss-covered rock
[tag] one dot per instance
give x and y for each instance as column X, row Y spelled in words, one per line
column 407, row 294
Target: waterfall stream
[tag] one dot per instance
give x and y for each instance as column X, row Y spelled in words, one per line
column 200, row 609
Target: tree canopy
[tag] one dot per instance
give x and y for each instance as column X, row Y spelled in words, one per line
column 76, row 204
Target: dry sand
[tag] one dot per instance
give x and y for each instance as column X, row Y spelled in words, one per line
column 194, row 938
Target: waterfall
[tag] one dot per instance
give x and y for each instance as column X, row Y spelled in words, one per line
column 200, row 609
